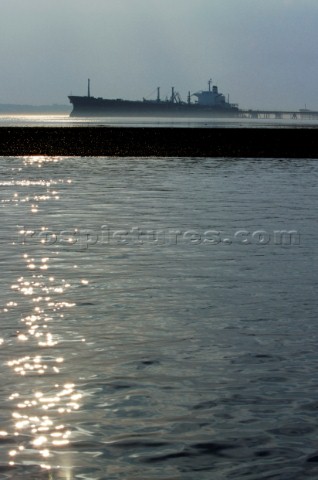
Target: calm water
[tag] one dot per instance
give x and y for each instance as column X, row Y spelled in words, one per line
column 153, row 324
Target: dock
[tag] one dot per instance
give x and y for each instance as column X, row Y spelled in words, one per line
column 302, row 114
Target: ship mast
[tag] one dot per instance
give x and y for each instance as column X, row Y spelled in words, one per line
column 210, row 82
column 172, row 95
column 89, row 88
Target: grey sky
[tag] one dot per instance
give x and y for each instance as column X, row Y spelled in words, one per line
column 263, row 52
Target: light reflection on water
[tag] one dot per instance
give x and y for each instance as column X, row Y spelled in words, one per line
column 41, row 404
column 40, row 411
column 174, row 361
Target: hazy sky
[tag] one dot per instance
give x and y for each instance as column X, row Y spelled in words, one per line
column 264, row 53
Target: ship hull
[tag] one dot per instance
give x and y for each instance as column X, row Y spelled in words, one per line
column 98, row 107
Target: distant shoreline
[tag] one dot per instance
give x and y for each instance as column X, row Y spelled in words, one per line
column 160, row 142
column 35, row 109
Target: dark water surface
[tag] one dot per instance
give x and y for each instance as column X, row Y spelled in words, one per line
column 155, row 322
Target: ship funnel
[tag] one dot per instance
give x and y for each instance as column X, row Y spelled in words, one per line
column 89, row 88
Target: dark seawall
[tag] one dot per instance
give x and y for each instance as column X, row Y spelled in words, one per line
column 148, row 141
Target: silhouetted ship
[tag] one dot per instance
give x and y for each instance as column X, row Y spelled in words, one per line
column 209, row 103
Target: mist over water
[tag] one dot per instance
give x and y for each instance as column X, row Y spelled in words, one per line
column 158, row 318
column 23, row 120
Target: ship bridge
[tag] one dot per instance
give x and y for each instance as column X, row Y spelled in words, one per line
column 211, row 97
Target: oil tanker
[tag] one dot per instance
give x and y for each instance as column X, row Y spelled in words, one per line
column 208, row 103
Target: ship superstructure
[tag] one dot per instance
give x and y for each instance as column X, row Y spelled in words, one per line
column 212, row 97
